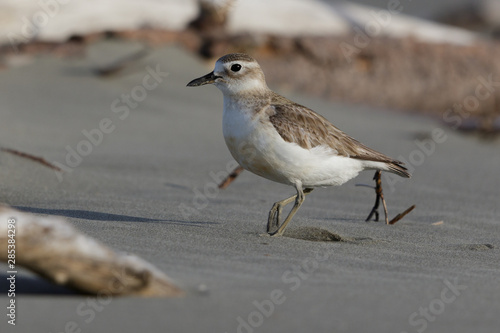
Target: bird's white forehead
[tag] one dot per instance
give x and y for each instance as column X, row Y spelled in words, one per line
column 221, row 65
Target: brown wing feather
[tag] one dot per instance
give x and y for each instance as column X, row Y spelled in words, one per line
column 296, row 123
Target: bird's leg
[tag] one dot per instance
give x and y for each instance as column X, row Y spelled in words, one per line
column 380, row 196
column 275, row 213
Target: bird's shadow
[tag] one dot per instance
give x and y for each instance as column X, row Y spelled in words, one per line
column 99, row 216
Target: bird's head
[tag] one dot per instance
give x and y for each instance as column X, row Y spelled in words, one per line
column 234, row 74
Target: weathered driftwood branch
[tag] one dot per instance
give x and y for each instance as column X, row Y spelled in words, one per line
column 53, row 248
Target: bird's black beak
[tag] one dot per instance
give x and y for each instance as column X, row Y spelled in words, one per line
column 206, row 79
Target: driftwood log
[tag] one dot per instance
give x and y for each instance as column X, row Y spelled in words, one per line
column 54, row 249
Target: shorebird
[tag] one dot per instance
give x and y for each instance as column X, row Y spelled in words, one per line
column 283, row 141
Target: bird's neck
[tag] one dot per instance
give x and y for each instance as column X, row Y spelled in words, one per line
column 244, row 104
column 248, row 99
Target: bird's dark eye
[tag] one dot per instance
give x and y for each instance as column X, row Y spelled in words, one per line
column 235, row 67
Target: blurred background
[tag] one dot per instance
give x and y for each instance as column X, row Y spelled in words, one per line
column 414, row 56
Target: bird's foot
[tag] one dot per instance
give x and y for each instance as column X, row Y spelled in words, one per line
column 273, row 221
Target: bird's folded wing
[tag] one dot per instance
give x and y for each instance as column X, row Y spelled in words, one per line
column 298, row 124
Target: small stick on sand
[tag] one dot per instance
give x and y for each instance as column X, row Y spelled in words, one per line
column 380, row 197
column 54, row 249
column 401, row 215
column 31, row 157
column 229, row 179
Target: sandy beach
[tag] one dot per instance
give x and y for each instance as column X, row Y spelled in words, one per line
column 142, row 155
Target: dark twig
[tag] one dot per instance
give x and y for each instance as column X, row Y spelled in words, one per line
column 31, row 157
column 380, row 197
column 229, row 179
column 403, row 214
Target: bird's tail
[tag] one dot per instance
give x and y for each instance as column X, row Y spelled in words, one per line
column 398, row 168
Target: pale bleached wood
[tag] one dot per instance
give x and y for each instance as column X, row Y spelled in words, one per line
column 56, row 250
